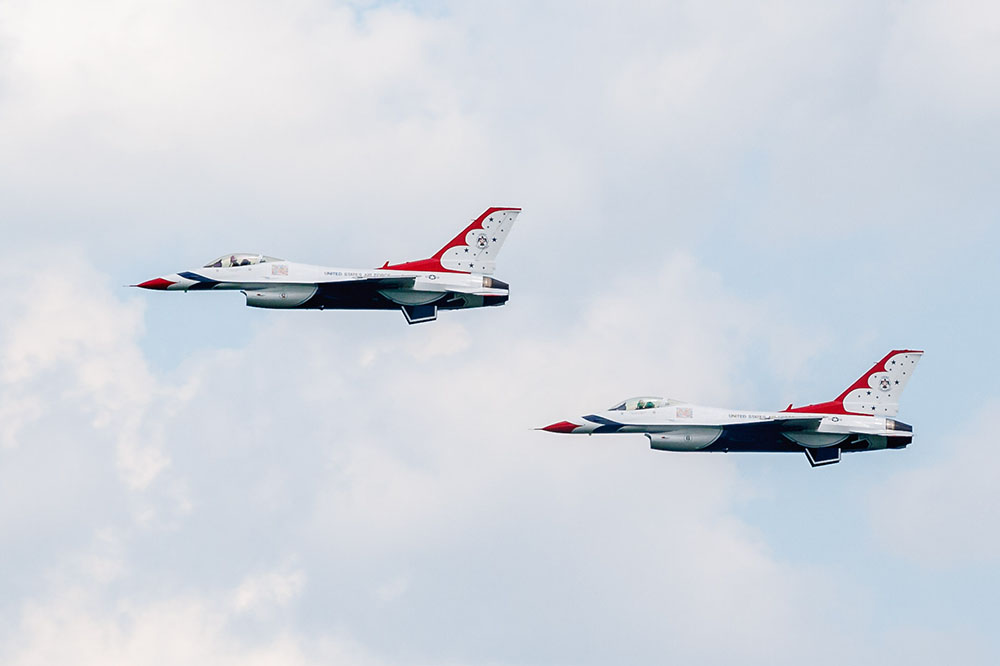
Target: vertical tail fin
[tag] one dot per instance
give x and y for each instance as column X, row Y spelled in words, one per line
column 474, row 250
column 876, row 392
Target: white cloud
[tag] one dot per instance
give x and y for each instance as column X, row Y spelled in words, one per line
column 392, row 589
column 420, row 458
column 941, row 57
column 116, row 106
column 69, row 344
column 258, row 593
column 226, row 124
column 71, row 628
column 396, row 466
column 15, row 412
column 939, row 514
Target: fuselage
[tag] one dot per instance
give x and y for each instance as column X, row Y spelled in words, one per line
column 275, row 283
column 680, row 415
column 859, row 419
column 456, row 276
column 671, row 425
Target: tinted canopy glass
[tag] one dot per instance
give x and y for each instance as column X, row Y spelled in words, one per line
column 240, row 259
column 644, row 402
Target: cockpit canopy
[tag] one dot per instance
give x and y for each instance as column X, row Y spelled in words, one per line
column 240, row 259
column 644, row 402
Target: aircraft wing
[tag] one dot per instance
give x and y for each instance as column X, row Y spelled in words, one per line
column 362, row 287
column 380, row 283
column 345, row 285
column 375, row 283
column 780, row 425
column 771, row 430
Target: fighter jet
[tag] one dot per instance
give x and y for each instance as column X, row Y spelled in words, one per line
column 456, row 276
column 859, row 419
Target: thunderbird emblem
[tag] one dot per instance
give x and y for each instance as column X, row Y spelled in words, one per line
column 482, row 241
column 885, row 384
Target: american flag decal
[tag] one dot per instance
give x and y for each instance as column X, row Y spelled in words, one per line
column 279, row 269
column 683, row 412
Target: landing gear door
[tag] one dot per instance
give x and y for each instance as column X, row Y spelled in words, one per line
column 417, row 314
column 824, row 456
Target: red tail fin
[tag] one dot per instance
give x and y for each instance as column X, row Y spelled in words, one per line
column 474, row 250
column 876, row 392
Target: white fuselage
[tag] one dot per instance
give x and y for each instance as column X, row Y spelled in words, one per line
column 289, row 272
column 676, row 426
column 681, row 415
column 457, row 276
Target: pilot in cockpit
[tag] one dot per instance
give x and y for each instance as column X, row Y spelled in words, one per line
column 242, row 259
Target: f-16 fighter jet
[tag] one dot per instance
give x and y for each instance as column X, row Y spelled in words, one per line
column 457, row 276
column 860, row 419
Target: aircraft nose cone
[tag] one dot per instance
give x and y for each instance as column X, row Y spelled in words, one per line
column 155, row 283
column 562, row 426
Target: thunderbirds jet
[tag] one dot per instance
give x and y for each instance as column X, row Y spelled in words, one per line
column 860, row 419
column 457, row 276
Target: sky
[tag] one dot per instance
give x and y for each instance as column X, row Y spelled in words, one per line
column 736, row 204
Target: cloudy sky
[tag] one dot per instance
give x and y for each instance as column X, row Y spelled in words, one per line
column 732, row 203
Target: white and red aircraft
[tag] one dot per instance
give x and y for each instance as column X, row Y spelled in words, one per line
column 456, row 277
column 860, row 419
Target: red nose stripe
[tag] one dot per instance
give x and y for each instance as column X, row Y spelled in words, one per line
column 562, row 426
column 155, row 283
